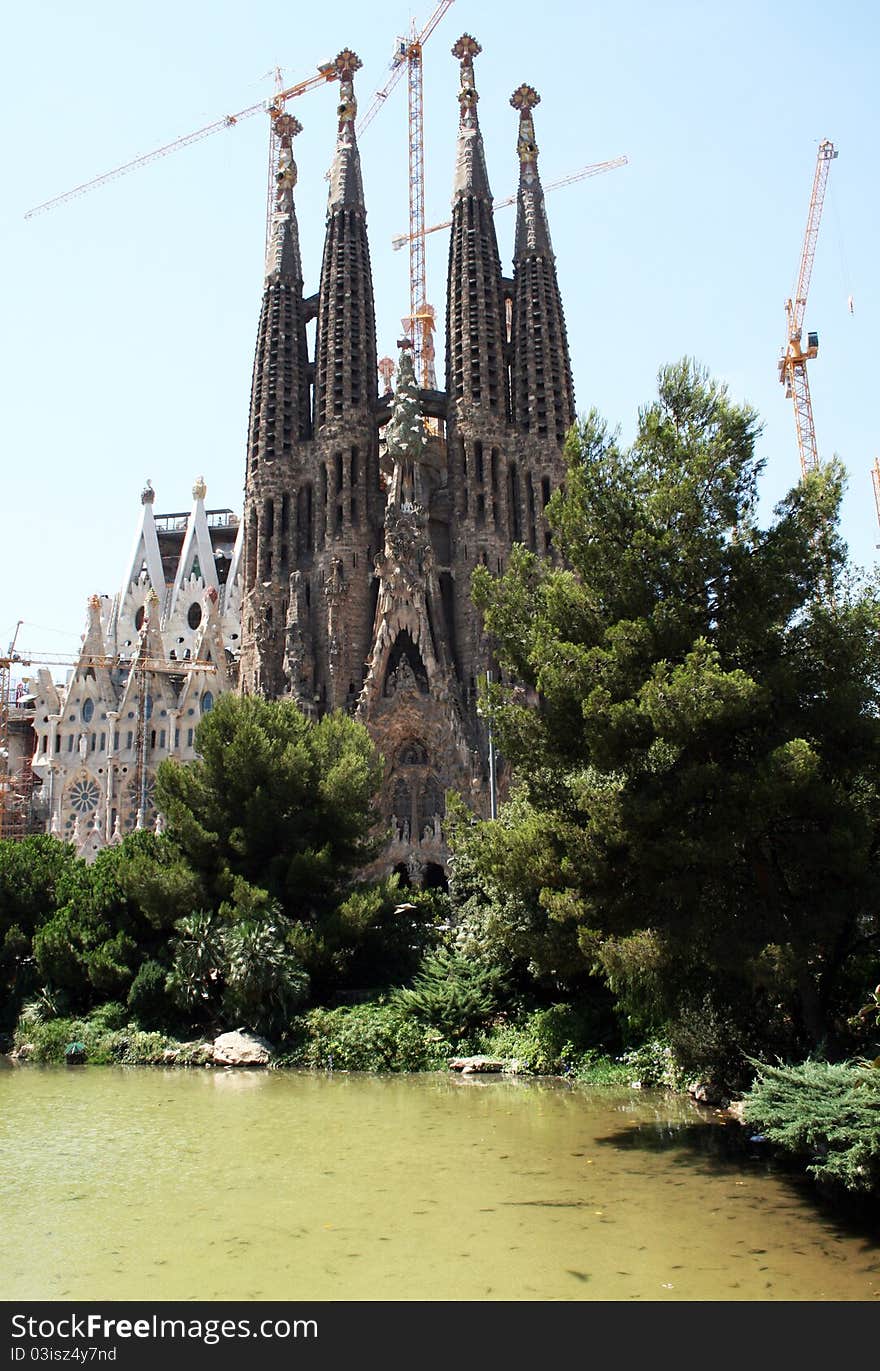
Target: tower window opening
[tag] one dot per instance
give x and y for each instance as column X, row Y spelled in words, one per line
column 515, row 521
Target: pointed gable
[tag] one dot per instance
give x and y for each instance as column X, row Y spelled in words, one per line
column 145, row 556
column 196, row 562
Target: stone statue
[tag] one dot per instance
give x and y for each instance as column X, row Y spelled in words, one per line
column 405, row 833
column 405, row 677
column 405, row 437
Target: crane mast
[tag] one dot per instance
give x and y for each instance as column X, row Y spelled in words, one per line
column 420, row 320
column 6, row 778
column 793, row 362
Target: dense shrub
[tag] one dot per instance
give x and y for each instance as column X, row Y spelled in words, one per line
column 828, row 1114
column 365, row 1037
column 653, row 1063
column 148, row 998
column 557, row 1041
column 548, row 1042
column 452, row 993
column 104, row 1035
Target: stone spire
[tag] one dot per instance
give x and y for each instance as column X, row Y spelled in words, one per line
column 345, row 361
column 279, row 428
column 542, row 397
column 283, row 255
column 280, row 409
column 475, row 316
column 346, row 187
column 471, row 177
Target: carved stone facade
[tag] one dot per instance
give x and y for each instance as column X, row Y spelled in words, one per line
column 365, row 515
column 154, row 659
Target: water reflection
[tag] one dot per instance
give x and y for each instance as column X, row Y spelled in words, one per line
column 278, row 1185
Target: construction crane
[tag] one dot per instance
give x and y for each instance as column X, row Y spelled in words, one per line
column 793, row 362
column 420, row 320
column 8, row 806
column 594, row 169
column 274, row 108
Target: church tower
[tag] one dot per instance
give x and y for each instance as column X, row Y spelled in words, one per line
column 347, row 498
column 365, row 516
column 541, row 391
column 477, row 383
column 279, row 428
column 313, row 503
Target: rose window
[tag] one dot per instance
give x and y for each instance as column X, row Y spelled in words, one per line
column 84, row 796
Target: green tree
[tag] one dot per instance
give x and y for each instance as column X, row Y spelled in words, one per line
column 275, row 799
column 238, row 965
column 110, row 917
column 452, row 992
column 34, row 874
column 692, row 709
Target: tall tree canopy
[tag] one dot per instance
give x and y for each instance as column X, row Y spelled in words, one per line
column 692, row 708
column 274, row 799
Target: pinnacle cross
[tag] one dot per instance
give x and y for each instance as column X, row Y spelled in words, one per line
column 346, row 64
column 466, row 49
column 286, row 127
column 524, row 99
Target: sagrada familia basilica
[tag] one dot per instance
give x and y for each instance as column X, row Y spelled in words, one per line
column 346, row 582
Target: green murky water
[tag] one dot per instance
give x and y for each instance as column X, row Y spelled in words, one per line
column 152, row 1184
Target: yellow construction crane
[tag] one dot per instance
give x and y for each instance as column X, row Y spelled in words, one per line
column 593, row 169
column 274, row 108
column 793, row 362
column 8, row 806
column 420, row 320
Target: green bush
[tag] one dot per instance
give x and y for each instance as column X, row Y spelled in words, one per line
column 453, row 993
column 46, row 1041
column 828, row 1114
column 365, row 1037
column 148, row 997
column 104, row 1034
column 653, row 1063
column 560, row 1040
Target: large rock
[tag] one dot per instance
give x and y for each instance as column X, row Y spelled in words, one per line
column 241, row 1048
column 706, row 1092
column 468, row 1065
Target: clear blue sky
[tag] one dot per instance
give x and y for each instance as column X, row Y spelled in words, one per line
column 130, row 313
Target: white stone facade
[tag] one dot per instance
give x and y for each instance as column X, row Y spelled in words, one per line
column 154, row 659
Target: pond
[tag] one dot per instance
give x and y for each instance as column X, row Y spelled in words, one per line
column 138, row 1183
